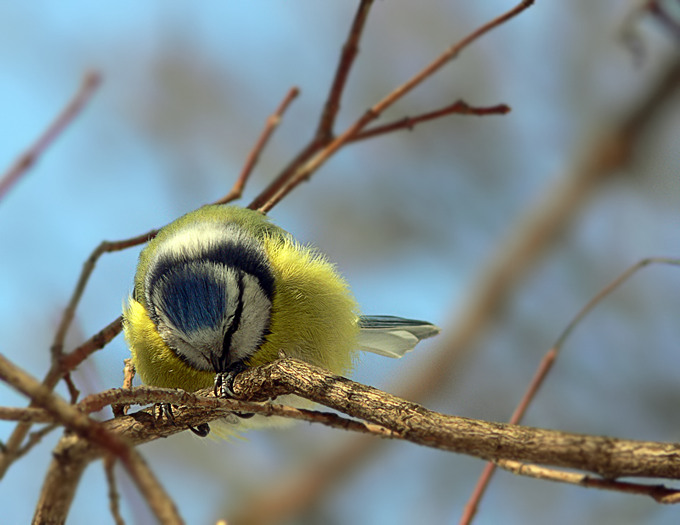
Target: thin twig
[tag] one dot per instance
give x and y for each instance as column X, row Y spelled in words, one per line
column 350, row 49
column 459, row 108
column 35, row 437
column 485, row 477
column 120, row 409
column 114, row 497
column 272, row 123
column 74, row 419
column 324, row 131
column 87, row 87
column 61, row 363
column 659, row 493
column 67, row 363
column 544, row 368
column 309, row 167
column 73, row 391
column 88, row 268
column 34, row 415
column 70, row 361
column 607, row 290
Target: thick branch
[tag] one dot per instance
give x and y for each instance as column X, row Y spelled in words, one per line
column 608, row 457
column 95, row 433
column 387, row 416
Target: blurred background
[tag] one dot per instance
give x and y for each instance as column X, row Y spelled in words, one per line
column 412, row 220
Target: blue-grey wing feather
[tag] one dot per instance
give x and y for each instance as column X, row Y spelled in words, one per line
column 392, row 336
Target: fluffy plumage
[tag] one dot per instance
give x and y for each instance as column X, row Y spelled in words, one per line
column 223, row 287
column 313, row 314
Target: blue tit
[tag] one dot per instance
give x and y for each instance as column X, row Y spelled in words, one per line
column 222, row 289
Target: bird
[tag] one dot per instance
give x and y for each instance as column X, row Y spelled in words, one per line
column 222, row 289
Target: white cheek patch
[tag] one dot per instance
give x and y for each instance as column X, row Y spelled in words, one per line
column 254, row 320
column 209, row 288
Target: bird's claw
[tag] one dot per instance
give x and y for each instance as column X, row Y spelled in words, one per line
column 201, row 430
column 224, row 385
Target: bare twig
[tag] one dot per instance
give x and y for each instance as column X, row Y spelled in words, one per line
column 61, row 364
column 35, row 438
column 606, row 291
column 72, row 360
column 114, row 497
column 67, row 363
column 485, row 477
column 129, row 372
column 73, row 391
column 516, row 255
column 128, row 375
column 93, row 431
column 87, row 87
column 659, row 493
column 272, row 123
column 88, row 268
column 305, row 170
column 324, row 131
column 382, row 415
column 544, row 368
column 459, row 108
column 33, row 415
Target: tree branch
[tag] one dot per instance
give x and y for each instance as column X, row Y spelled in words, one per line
column 605, row 456
column 272, row 123
column 33, row 415
column 457, row 108
column 324, row 131
column 304, row 171
column 531, row 236
column 659, row 493
column 383, row 415
column 95, row 433
column 87, row 87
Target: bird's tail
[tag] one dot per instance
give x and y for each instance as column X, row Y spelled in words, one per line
column 392, row 336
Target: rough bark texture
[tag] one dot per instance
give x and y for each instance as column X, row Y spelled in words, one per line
column 608, row 457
